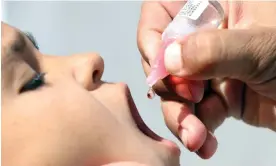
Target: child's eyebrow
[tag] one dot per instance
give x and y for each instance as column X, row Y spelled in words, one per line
column 17, row 50
column 9, row 51
column 19, row 43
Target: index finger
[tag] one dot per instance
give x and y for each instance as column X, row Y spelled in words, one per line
column 155, row 16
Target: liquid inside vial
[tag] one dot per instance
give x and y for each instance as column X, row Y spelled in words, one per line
column 151, row 93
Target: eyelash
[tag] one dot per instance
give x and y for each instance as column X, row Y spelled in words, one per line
column 36, row 82
column 32, row 39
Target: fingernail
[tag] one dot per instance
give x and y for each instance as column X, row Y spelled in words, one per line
column 184, row 137
column 190, row 90
column 172, row 58
column 197, row 92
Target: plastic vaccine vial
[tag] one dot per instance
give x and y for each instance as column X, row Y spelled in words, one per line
column 195, row 15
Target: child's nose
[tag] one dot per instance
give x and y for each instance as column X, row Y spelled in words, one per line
column 88, row 69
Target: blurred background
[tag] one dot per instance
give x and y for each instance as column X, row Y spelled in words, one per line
column 109, row 28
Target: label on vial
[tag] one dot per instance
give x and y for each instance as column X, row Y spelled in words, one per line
column 193, row 8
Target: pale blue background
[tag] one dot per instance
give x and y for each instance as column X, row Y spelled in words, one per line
column 109, row 28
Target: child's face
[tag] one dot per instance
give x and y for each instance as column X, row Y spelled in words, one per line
column 72, row 118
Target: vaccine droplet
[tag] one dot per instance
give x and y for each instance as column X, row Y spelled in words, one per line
column 151, row 93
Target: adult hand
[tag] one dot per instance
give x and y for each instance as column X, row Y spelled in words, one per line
column 227, row 93
column 176, row 97
column 248, row 56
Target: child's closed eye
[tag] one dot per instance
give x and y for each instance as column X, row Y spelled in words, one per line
column 36, row 82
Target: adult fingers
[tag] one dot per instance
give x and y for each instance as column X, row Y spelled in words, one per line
column 247, row 55
column 183, row 124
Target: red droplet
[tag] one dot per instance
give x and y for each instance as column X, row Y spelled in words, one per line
column 151, row 93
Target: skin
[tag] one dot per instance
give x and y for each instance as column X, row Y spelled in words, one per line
column 248, row 43
column 73, row 118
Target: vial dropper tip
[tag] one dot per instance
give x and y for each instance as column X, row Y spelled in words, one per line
column 150, row 93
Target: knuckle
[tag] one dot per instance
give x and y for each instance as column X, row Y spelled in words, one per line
column 204, row 46
column 249, row 50
column 213, row 43
column 264, row 56
column 206, row 43
column 141, row 41
column 141, row 47
column 146, row 66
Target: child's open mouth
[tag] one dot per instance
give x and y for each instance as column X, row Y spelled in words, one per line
column 147, row 131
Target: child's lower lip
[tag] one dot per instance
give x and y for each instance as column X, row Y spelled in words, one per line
column 170, row 145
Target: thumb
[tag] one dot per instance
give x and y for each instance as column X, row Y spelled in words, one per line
column 247, row 55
